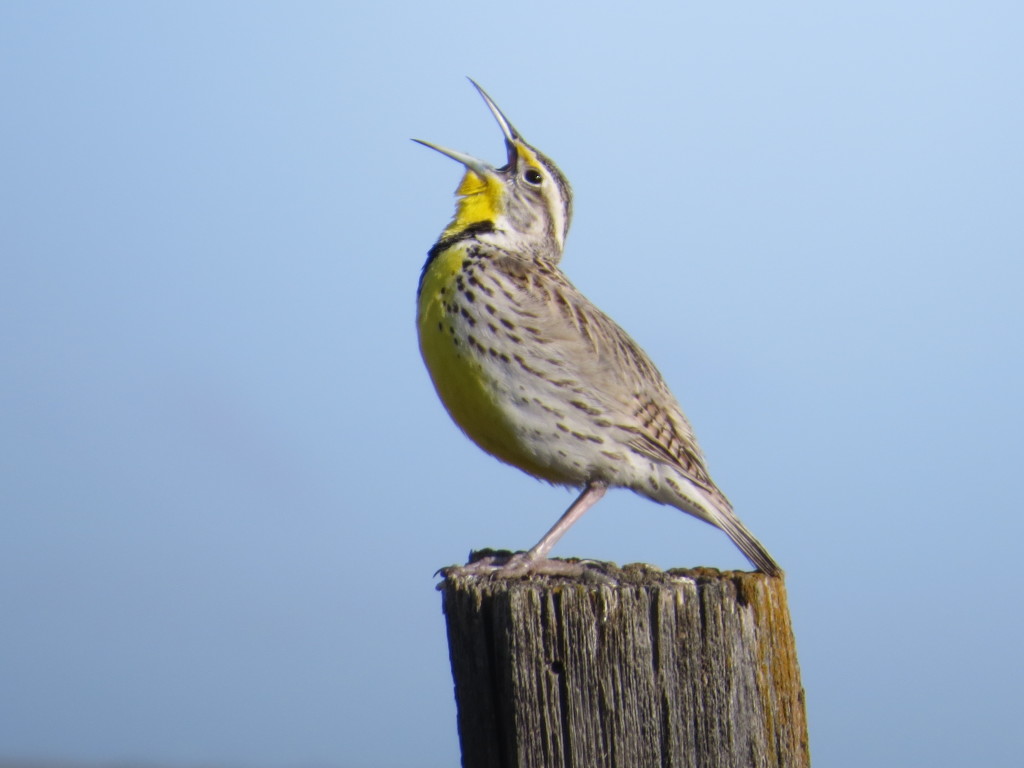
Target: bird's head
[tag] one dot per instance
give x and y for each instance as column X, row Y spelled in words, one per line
column 524, row 206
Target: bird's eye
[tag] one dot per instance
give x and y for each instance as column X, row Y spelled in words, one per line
column 533, row 176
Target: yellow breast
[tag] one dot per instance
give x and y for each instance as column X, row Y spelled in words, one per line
column 469, row 384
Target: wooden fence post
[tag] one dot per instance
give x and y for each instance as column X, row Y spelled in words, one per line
column 630, row 667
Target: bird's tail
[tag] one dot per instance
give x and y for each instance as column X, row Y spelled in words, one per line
column 702, row 499
column 752, row 548
column 709, row 504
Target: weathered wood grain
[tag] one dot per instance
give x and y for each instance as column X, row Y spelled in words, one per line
column 631, row 667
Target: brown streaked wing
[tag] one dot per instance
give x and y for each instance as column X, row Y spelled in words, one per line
column 611, row 367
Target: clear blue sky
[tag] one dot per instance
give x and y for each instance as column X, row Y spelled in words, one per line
column 226, row 480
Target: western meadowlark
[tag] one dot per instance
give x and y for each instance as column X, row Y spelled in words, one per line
column 538, row 376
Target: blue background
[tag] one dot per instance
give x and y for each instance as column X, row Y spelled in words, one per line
column 226, row 480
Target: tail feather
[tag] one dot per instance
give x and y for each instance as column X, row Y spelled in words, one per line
column 706, row 502
column 703, row 500
column 749, row 546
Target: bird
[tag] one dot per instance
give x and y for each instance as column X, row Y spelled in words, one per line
column 534, row 373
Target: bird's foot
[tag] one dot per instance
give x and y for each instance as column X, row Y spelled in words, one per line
column 513, row 565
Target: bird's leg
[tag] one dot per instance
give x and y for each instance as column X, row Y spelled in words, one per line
column 536, row 560
column 592, row 494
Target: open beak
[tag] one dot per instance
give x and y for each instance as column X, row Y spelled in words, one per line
column 479, row 167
